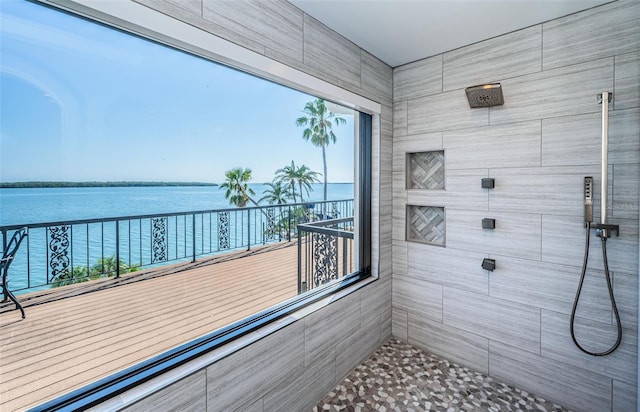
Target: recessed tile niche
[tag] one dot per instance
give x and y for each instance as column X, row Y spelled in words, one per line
column 425, row 170
column 426, row 224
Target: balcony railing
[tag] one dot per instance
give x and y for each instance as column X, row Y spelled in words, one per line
column 325, row 252
column 58, row 253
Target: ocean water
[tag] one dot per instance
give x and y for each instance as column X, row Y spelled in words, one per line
column 34, row 265
column 26, row 206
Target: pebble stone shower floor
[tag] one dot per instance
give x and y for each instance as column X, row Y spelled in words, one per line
column 399, row 377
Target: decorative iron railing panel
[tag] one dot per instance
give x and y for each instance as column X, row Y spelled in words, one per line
column 223, row 230
column 59, row 253
column 58, row 260
column 325, row 252
column 159, row 239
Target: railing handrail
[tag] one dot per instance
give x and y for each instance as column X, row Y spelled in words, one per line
column 155, row 215
column 321, row 227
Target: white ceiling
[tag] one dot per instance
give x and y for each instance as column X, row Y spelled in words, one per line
column 402, row 31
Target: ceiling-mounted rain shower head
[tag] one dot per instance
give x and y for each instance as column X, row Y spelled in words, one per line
column 485, row 95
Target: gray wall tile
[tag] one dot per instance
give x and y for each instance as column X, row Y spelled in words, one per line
column 399, row 325
column 252, row 406
column 376, row 76
column 400, row 113
column 398, row 179
column 551, row 286
column 625, row 288
column 626, row 92
column 355, row 348
column 516, row 235
column 512, row 54
column 592, row 34
column 418, row 297
column 595, row 336
column 492, row 318
column 575, row 140
column 445, row 111
column 188, row 394
column 327, row 326
column 375, row 300
column 386, row 129
column 194, row 6
column 624, row 136
column 417, row 143
column 563, row 383
column 626, row 186
column 560, row 92
column 302, row 392
column 566, row 246
column 418, row 79
column 275, row 360
column 549, row 190
column 454, row 344
column 448, row 267
column 386, row 326
column 463, row 191
column 400, row 265
column 276, row 25
column 330, row 53
column 513, row 145
column 399, row 225
column 625, row 397
column 217, row 28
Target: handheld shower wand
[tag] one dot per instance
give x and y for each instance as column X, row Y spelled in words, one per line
column 588, row 200
column 604, row 230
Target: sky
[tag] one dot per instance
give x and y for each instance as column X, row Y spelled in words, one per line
column 83, row 102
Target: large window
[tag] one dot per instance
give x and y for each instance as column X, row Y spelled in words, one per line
column 167, row 198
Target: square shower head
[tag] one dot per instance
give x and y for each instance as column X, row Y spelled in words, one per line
column 485, row 95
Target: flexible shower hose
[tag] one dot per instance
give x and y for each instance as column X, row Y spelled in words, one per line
column 611, row 297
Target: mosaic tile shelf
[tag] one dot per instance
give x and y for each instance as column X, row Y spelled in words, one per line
column 425, row 170
column 426, row 224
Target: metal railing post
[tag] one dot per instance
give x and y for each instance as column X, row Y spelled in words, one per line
column 289, row 225
column 117, row 249
column 4, row 246
column 248, row 229
column 299, row 263
column 193, row 236
column 344, row 256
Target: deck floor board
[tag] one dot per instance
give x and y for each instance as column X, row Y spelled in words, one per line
column 76, row 334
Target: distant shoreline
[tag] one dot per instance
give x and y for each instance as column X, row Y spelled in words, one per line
column 39, row 185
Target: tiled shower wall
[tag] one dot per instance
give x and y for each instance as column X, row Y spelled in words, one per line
column 293, row 368
column 513, row 323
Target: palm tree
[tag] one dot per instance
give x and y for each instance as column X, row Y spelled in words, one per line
column 288, row 175
column 305, row 177
column 237, row 187
column 275, row 194
column 319, row 122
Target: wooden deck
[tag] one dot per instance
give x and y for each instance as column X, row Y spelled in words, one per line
column 77, row 334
